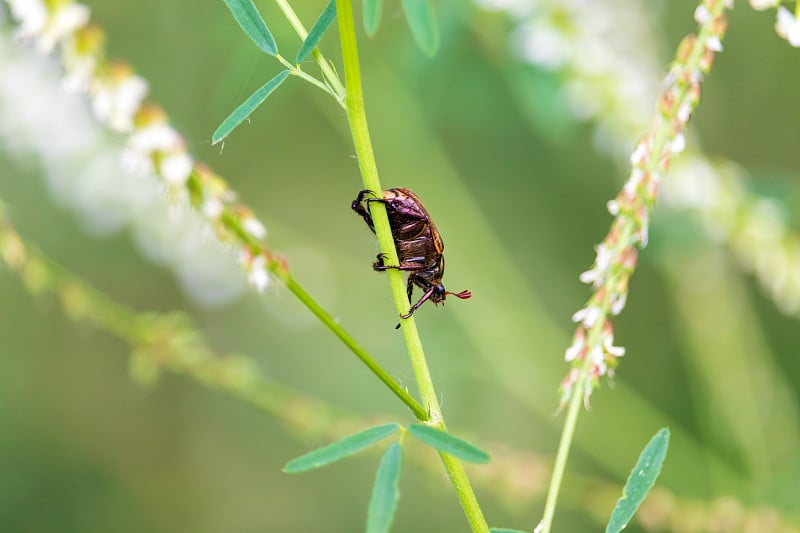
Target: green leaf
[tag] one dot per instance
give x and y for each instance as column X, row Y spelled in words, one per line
column 641, row 480
column 422, row 21
column 372, row 15
column 248, row 17
column 505, row 530
column 243, row 111
column 340, row 449
column 317, row 31
column 445, row 442
column 385, row 494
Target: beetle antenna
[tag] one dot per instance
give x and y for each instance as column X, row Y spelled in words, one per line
column 463, row 294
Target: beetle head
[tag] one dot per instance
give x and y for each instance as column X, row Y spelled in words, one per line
column 439, row 294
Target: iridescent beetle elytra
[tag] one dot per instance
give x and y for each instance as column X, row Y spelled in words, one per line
column 418, row 242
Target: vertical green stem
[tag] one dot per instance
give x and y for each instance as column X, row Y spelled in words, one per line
column 357, row 118
column 562, row 455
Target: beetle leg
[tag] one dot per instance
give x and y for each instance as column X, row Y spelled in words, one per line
column 362, row 193
column 405, row 267
column 409, row 290
column 361, row 210
column 419, row 302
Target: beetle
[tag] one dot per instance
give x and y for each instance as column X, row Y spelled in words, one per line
column 419, row 244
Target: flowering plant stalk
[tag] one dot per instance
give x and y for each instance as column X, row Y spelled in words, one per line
column 592, row 353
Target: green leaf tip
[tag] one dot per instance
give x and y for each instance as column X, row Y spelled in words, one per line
column 372, row 16
column 317, row 31
column 422, row 21
column 249, row 19
column 247, row 107
column 385, row 492
column 340, row 449
column 640, row 481
column 447, row 443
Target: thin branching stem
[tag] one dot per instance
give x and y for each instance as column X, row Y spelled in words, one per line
column 357, row 118
column 351, row 343
column 324, row 65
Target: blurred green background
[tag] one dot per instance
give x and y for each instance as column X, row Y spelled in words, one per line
column 520, row 205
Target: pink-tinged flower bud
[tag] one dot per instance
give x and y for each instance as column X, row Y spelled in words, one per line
column 578, row 346
column 685, row 48
column 257, row 274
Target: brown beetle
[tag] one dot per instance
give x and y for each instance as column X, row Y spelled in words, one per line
column 418, row 242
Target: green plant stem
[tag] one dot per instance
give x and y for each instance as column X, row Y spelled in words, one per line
column 326, row 68
column 418, row 410
column 571, row 422
column 295, row 70
column 357, row 118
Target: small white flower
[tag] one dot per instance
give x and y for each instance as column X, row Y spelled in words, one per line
column 258, row 276
column 115, row 103
column 587, row 316
column 684, row 112
column 613, row 207
column 145, row 142
column 761, row 5
column 639, row 152
column 591, row 277
column 603, row 257
column 254, row 227
column 678, row 144
column 79, row 71
column 608, row 346
column 544, row 45
column 575, row 349
column 618, row 302
column 175, row 168
column 637, row 174
column 31, row 14
column 714, row 44
column 155, row 138
column 213, row 207
column 788, row 26
column 701, row 14
column 596, row 356
column 65, row 21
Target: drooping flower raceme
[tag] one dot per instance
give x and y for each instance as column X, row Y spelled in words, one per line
column 153, row 149
column 592, row 352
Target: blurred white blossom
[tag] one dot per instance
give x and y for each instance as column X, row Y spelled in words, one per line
column 609, row 76
column 46, row 127
column 761, row 5
column 788, row 26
